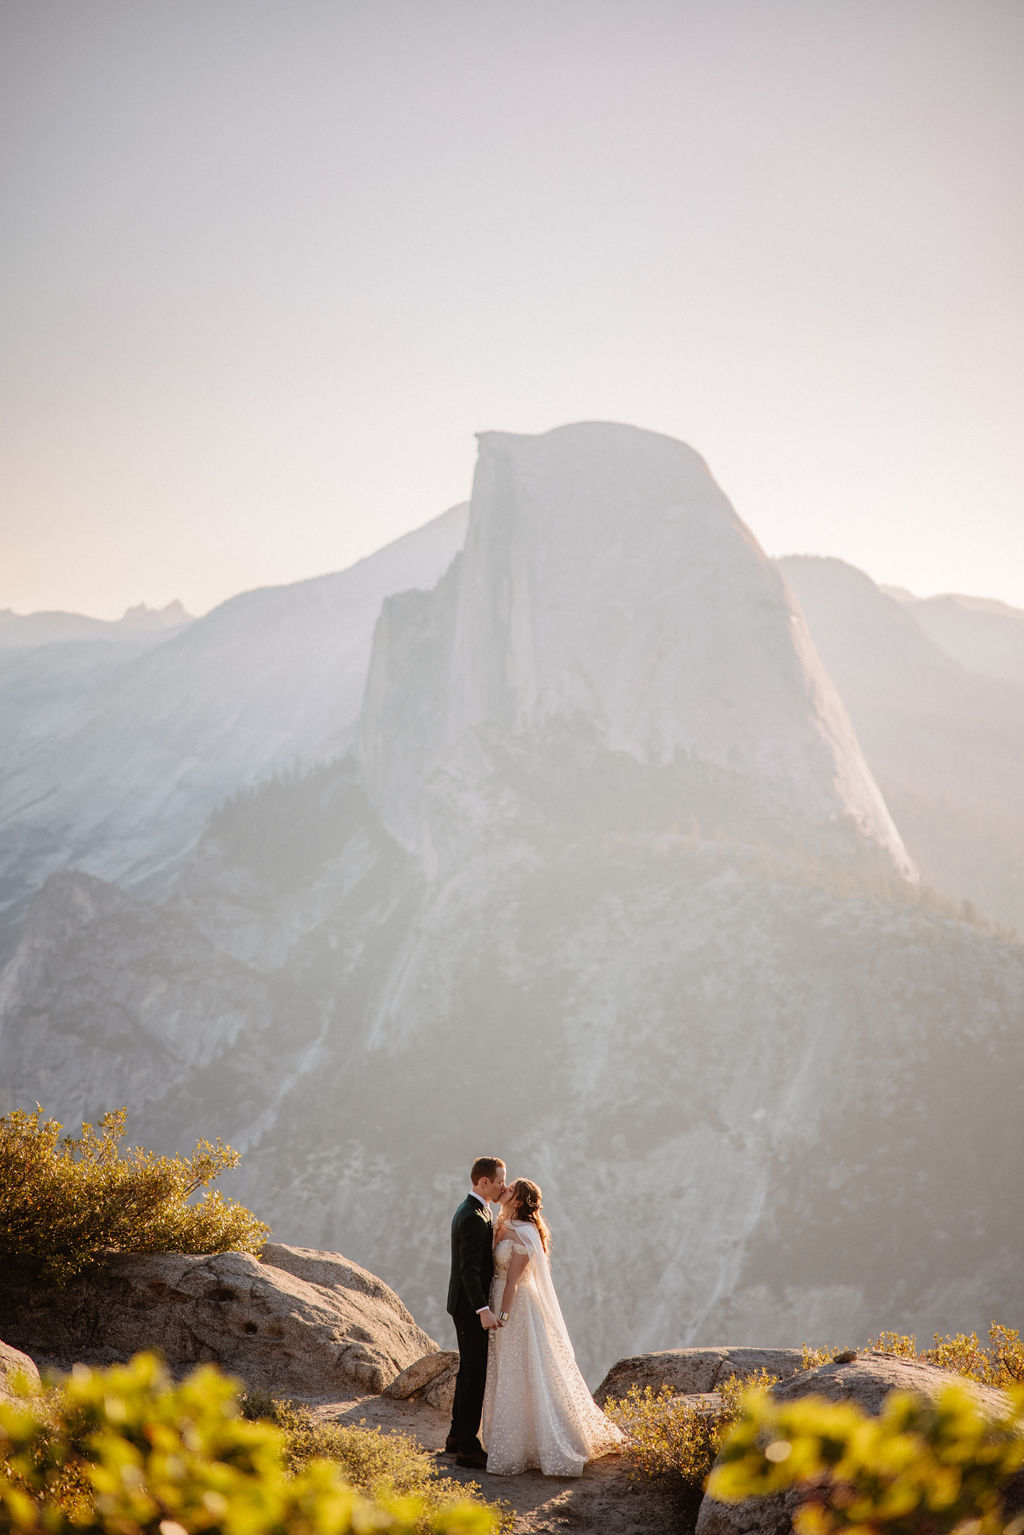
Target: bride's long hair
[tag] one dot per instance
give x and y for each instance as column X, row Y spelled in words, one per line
column 527, row 1201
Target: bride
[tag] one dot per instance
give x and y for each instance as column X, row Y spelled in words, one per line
column 537, row 1409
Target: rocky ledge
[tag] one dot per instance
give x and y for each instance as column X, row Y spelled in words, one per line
column 695, row 1371
column 295, row 1323
column 13, row 1364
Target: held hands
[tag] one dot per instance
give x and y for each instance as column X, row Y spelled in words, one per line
column 488, row 1319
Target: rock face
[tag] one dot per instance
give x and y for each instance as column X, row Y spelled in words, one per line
column 695, row 1371
column 865, row 1381
column 181, row 1000
column 13, row 1363
column 868, row 1379
column 299, row 1322
column 606, row 577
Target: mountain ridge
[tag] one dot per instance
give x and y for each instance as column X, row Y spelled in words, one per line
column 762, row 1078
column 945, row 741
column 112, row 763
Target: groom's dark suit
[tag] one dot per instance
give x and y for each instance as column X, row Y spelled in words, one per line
column 469, row 1289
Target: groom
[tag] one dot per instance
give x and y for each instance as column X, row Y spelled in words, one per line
column 469, row 1307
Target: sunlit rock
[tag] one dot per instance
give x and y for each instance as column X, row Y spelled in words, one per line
column 297, row 1322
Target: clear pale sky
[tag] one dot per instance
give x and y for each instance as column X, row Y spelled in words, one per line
column 267, row 267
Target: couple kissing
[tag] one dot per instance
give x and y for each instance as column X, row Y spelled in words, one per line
column 519, row 1391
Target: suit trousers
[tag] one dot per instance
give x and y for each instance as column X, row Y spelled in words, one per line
column 470, row 1381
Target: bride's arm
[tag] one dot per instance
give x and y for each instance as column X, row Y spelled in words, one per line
column 516, row 1270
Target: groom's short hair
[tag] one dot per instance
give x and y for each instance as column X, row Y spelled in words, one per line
column 485, row 1167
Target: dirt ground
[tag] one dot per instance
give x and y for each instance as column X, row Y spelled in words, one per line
column 600, row 1502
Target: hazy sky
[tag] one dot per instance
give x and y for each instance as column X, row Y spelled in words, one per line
column 267, row 267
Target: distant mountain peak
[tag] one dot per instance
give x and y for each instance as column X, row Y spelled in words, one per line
column 141, row 616
column 957, row 600
column 137, row 624
column 606, row 578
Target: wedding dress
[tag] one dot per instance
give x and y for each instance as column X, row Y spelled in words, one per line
column 537, row 1409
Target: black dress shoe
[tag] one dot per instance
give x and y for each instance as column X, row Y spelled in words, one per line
column 476, row 1460
column 451, row 1446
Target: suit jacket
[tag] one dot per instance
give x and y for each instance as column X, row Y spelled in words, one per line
column 469, row 1288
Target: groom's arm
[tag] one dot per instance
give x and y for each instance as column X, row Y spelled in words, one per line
column 473, row 1240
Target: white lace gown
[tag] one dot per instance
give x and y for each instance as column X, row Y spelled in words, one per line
column 538, row 1412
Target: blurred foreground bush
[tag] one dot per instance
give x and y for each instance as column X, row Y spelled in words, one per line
column 66, row 1200
column 919, row 1468
column 377, row 1464
column 674, row 1442
column 125, row 1451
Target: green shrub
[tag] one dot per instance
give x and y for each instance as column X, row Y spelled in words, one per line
column 1000, row 1364
column 920, row 1468
column 670, row 1439
column 814, row 1358
column 64, row 1201
column 375, row 1463
column 898, row 1343
column 125, row 1451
